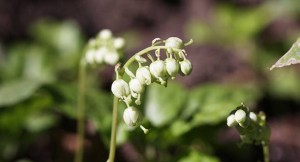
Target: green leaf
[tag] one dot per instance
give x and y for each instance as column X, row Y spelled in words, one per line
column 16, row 91
column 195, row 156
column 163, row 104
column 290, row 58
column 211, row 104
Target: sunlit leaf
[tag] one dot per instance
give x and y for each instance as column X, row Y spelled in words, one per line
column 163, row 104
column 211, row 104
column 290, row 58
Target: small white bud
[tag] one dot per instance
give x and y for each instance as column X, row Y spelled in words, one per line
column 131, row 116
column 172, row 66
column 99, row 54
column 105, row 34
column 174, row 42
column 240, row 116
column 143, row 75
column 253, row 116
column 136, row 86
column 158, row 68
column 89, row 56
column 231, row 120
column 186, row 67
column 119, row 43
column 111, row 58
column 120, row 88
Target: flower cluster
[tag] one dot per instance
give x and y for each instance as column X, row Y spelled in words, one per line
column 251, row 127
column 150, row 70
column 104, row 49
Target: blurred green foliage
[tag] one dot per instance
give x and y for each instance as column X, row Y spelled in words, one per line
column 39, row 85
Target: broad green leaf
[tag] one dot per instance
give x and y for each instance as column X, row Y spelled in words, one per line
column 211, row 104
column 164, row 103
column 16, row 91
column 195, row 156
column 290, row 58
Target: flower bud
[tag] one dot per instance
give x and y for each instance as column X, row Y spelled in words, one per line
column 240, row 116
column 136, row 86
column 253, row 116
column 172, row 66
column 131, row 116
column 120, row 88
column 105, row 34
column 99, row 54
column 231, row 120
column 119, row 43
column 143, row 75
column 89, row 56
column 186, row 67
column 111, row 58
column 174, row 42
column 158, row 68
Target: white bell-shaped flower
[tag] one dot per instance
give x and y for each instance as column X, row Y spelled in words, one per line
column 111, row 58
column 105, row 34
column 231, row 120
column 186, row 67
column 119, row 43
column 253, row 116
column 136, row 86
column 120, row 88
column 174, row 42
column 240, row 116
column 99, row 54
column 172, row 66
column 89, row 56
column 158, row 68
column 131, row 116
column 143, row 75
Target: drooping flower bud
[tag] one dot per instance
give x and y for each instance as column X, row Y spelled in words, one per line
column 158, row 68
column 240, row 116
column 100, row 54
column 120, row 88
column 253, row 116
column 111, row 58
column 143, row 75
column 136, row 86
column 131, row 116
column 186, row 67
column 231, row 120
column 174, row 42
column 172, row 66
column 89, row 56
column 105, row 34
column 119, row 43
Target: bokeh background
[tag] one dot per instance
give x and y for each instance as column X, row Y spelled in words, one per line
column 235, row 43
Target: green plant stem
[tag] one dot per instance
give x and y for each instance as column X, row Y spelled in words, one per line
column 144, row 51
column 112, row 150
column 80, row 112
column 266, row 151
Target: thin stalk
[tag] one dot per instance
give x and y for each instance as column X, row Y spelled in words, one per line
column 112, row 150
column 144, row 51
column 80, row 112
column 266, row 151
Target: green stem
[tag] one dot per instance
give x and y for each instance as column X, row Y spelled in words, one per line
column 112, row 150
column 144, row 51
column 80, row 112
column 266, row 151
